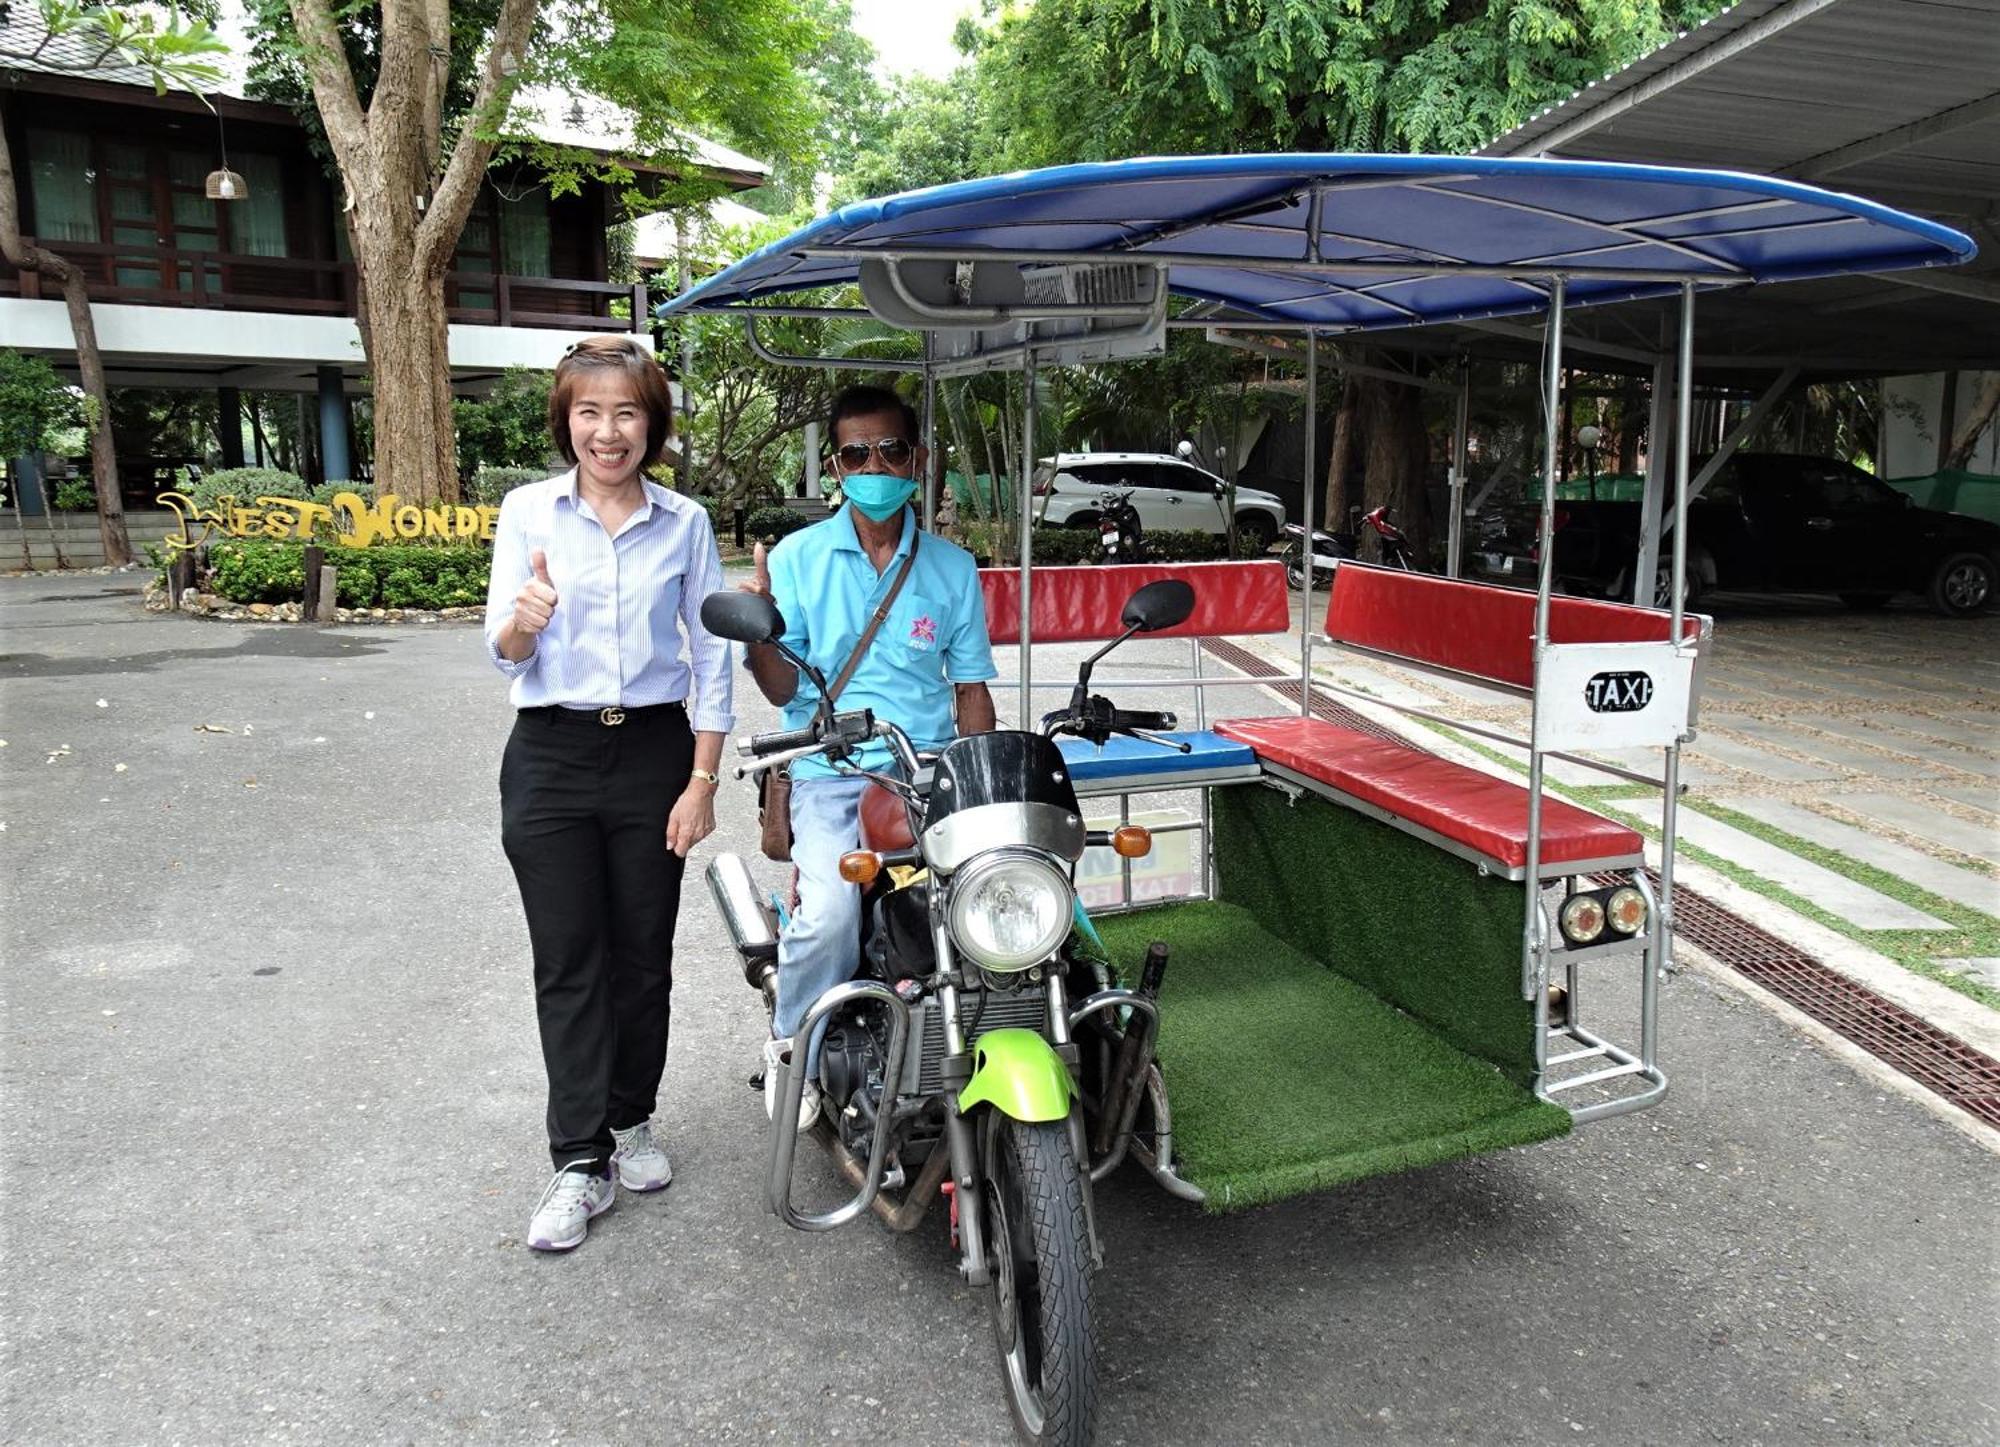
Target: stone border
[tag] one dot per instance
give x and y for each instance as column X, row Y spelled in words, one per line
column 210, row 605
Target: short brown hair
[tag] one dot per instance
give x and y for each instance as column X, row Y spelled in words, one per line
column 649, row 382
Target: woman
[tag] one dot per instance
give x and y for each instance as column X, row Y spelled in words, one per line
column 598, row 577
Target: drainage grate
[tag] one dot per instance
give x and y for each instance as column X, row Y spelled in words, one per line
column 1941, row 1063
column 1968, row 1078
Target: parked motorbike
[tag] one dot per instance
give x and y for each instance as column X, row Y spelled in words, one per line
column 959, row 1063
column 1120, row 537
column 1328, row 549
column 1390, row 541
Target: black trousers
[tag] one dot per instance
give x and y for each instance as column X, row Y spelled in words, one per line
column 583, row 817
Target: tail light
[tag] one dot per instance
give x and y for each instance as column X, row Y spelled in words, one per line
column 1043, row 486
column 1560, row 519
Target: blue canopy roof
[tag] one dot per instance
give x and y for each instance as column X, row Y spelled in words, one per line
column 1349, row 242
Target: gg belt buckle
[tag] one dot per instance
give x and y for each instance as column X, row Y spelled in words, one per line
column 611, row 717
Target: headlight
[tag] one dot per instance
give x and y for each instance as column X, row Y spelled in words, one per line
column 1010, row 911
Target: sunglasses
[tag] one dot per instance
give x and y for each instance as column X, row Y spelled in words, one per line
column 894, row 452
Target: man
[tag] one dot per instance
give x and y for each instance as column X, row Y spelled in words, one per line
column 926, row 669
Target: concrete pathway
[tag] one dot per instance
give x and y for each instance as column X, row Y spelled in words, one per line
column 1981, row 891
column 1920, row 816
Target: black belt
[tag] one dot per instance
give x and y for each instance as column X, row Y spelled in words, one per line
column 610, row 717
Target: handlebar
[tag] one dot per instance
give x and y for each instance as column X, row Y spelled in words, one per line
column 759, row 746
column 1150, row 719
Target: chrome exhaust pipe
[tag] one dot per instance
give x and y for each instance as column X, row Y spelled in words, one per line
column 751, row 925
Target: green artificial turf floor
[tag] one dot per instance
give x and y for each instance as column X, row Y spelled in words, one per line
column 1287, row 1078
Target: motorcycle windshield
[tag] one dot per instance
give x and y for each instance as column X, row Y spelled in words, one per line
column 1019, row 786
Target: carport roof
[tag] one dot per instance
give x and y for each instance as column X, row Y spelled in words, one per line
column 1894, row 100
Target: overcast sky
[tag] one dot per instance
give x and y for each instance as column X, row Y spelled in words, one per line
column 911, row 34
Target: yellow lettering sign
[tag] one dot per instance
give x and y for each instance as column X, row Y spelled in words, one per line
column 354, row 523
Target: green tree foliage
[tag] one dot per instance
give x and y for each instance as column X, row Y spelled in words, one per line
column 1073, row 80
column 35, row 404
column 509, row 427
column 929, row 134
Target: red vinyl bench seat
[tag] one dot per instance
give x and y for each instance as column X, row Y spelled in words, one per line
column 1472, row 813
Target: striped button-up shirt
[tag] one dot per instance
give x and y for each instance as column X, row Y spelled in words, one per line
column 626, row 628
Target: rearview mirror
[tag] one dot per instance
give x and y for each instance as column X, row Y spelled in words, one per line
column 742, row 617
column 1158, row 605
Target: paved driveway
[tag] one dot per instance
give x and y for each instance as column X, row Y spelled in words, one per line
column 273, row 1130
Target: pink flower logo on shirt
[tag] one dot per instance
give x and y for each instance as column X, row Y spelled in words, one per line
column 923, row 632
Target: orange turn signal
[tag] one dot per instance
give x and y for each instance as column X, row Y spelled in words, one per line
column 860, row 867
column 1132, row 842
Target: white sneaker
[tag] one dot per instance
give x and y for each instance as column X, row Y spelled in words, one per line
column 639, row 1162
column 562, row 1216
column 776, row 1053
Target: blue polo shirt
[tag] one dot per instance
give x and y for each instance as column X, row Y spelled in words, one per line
column 934, row 636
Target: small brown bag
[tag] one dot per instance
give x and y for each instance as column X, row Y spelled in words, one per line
column 774, row 793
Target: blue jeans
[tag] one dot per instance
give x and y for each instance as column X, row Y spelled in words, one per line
column 821, row 945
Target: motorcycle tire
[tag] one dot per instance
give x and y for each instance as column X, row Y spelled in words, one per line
column 1295, row 572
column 1041, row 1291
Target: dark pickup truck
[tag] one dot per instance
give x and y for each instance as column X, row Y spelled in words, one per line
column 1773, row 522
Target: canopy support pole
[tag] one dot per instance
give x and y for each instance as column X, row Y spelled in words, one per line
column 1670, row 807
column 929, row 439
column 1659, row 457
column 1455, row 534
column 1534, row 927
column 1025, row 500
column 1306, row 545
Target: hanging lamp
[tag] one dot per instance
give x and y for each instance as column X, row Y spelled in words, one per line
column 224, row 184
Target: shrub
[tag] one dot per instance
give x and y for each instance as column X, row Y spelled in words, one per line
column 1058, row 547
column 491, row 484
column 246, row 484
column 246, row 571
column 325, row 493
column 392, row 576
column 768, row 524
column 75, row 495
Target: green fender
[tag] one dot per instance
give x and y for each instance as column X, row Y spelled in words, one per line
column 1020, row 1075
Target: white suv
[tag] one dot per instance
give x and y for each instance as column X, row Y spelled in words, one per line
column 1170, row 495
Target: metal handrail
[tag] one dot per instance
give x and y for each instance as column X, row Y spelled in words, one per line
column 791, row 1093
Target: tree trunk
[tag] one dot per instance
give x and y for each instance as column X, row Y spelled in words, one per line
column 1985, row 406
column 1398, row 450
column 1346, row 437
column 89, row 362
column 414, row 454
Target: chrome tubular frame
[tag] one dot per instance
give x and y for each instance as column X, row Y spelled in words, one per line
column 791, row 1091
column 1149, row 1011
column 1622, row 1063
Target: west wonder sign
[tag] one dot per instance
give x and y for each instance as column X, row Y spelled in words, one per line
column 351, row 522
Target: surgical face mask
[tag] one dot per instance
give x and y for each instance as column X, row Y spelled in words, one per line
column 877, row 494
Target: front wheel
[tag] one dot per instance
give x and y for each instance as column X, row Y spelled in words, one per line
column 1962, row 585
column 1041, row 1278
column 1256, row 531
column 1295, row 570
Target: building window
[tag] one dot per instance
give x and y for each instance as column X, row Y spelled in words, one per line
column 524, row 234
column 257, row 222
column 63, row 185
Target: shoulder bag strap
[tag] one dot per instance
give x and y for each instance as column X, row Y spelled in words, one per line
column 875, row 623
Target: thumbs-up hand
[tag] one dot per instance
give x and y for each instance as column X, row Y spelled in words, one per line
column 536, row 601
column 760, row 576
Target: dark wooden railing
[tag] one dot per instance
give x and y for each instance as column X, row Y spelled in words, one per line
column 226, row 281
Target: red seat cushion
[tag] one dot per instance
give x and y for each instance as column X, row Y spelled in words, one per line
column 1475, row 809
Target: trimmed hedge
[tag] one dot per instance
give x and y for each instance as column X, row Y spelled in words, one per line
column 246, row 485
column 1056, row 547
column 768, row 524
column 387, row 576
column 491, row 484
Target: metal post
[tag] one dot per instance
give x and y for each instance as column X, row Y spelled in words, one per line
column 1312, row 456
column 1658, row 449
column 1670, row 807
column 1533, row 986
column 1025, row 500
column 1455, row 546
column 930, row 441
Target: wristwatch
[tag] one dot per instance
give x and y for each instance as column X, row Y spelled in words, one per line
column 714, row 779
